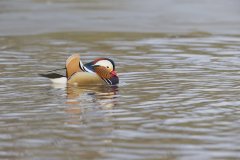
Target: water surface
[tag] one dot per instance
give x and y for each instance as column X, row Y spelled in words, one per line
column 178, row 97
column 23, row 17
column 178, row 63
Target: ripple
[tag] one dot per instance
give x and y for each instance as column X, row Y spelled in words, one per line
column 177, row 98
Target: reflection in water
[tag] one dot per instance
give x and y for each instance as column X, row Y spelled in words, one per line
column 79, row 98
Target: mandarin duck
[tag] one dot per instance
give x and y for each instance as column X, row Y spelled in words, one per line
column 101, row 71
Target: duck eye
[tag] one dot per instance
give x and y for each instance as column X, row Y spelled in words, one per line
column 107, row 66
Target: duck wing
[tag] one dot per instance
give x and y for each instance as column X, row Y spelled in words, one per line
column 72, row 65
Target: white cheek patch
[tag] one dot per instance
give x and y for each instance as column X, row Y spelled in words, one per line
column 106, row 64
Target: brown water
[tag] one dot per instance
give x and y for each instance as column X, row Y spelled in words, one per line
column 178, row 96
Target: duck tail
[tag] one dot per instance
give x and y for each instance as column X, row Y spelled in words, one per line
column 55, row 78
column 52, row 75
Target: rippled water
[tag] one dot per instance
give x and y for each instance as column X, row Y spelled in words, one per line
column 178, row 98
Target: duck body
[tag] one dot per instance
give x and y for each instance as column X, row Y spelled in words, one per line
column 98, row 72
column 85, row 78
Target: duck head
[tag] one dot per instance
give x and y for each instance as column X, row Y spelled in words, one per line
column 105, row 68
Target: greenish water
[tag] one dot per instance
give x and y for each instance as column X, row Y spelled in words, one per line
column 178, row 96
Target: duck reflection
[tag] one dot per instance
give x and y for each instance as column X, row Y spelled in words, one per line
column 97, row 93
column 82, row 100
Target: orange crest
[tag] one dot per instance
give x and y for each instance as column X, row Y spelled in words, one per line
column 103, row 72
